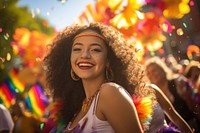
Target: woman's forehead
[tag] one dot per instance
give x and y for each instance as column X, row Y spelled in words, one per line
column 90, row 33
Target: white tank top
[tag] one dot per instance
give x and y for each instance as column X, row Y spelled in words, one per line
column 90, row 123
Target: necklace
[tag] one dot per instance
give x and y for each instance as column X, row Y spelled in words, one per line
column 87, row 102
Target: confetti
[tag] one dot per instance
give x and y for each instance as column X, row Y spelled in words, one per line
column 179, row 32
column 184, row 24
column 152, row 53
column 32, row 13
column 41, row 125
column 8, row 57
column 5, row 37
column 191, row 3
column 38, row 10
column 161, row 51
column 2, row 59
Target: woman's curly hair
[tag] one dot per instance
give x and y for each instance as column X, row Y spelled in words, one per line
column 121, row 55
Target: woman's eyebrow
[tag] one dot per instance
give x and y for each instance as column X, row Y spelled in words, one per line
column 81, row 44
column 77, row 43
column 96, row 44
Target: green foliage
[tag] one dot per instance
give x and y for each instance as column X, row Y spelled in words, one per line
column 12, row 17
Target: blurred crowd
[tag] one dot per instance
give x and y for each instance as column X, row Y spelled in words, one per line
column 178, row 80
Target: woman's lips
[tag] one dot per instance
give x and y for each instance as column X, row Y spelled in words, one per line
column 85, row 65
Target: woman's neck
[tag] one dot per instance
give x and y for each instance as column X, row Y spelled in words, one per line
column 92, row 85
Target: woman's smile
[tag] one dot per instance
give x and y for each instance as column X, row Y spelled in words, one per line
column 85, row 65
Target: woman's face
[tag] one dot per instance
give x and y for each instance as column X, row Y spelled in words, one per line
column 89, row 55
column 155, row 73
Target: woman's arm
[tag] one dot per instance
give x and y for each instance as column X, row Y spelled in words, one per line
column 170, row 111
column 118, row 109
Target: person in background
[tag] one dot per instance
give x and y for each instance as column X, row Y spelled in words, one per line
column 25, row 121
column 164, row 107
column 184, row 63
column 93, row 73
column 6, row 122
column 192, row 72
column 173, row 85
column 172, row 63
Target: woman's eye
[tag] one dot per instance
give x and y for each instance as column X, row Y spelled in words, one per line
column 96, row 50
column 76, row 49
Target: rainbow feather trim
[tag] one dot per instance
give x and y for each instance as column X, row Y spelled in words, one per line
column 54, row 124
column 143, row 106
column 144, row 109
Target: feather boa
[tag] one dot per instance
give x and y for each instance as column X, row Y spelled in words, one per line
column 55, row 125
column 144, row 109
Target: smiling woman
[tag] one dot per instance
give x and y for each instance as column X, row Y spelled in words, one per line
column 94, row 72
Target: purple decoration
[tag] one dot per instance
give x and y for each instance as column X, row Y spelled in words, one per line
column 169, row 129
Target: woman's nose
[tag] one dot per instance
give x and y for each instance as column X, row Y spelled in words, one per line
column 85, row 54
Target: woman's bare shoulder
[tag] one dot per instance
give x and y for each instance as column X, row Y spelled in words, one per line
column 112, row 90
column 110, row 84
column 110, row 87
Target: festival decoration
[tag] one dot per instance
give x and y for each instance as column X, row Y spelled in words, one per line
column 31, row 44
column 192, row 50
column 10, row 88
column 36, row 100
column 30, row 75
column 148, row 31
column 145, row 28
column 127, row 16
column 101, row 12
column 144, row 109
column 34, row 96
column 139, row 50
column 53, row 122
column 171, row 9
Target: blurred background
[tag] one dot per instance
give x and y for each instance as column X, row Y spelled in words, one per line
column 164, row 28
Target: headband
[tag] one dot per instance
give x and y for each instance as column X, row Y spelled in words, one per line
column 90, row 34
